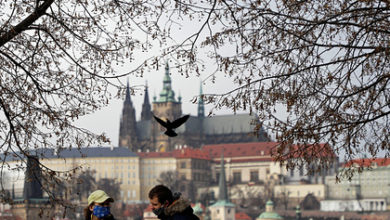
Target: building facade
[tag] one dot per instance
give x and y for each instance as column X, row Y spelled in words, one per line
column 371, row 184
column 119, row 164
column 190, row 166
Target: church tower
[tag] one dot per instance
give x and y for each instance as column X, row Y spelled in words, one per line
column 166, row 107
column 127, row 129
column 146, row 113
column 223, row 209
column 200, row 103
column 32, row 205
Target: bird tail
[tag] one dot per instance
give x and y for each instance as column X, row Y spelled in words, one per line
column 170, row 133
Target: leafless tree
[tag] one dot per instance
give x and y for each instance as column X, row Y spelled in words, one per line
column 315, row 72
column 283, row 198
column 250, row 199
column 171, row 180
column 57, row 61
column 324, row 63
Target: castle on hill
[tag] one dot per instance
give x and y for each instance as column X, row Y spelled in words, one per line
column 147, row 135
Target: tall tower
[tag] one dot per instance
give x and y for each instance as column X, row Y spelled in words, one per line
column 127, row 128
column 200, row 103
column 33, row 205
column 146, row 113
column 166, row 107
column 223, row 209
column 32, row 184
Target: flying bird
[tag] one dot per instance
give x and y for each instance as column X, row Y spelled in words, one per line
column 171, row 126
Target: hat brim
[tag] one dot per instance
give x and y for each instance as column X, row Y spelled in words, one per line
column 103, row 199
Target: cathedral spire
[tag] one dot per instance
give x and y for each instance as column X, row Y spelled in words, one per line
column 200, row 102
column 128, row 97
column 146, row 113
column 223, row 194
column 127, row 127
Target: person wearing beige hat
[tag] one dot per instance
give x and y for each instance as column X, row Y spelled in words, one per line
column 98, row 206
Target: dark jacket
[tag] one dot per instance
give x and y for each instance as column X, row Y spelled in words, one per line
column 179, row 210
column 110, row 217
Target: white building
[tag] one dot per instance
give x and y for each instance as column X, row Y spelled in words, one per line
column 354, row 205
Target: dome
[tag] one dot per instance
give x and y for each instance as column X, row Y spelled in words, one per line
column 269, row 212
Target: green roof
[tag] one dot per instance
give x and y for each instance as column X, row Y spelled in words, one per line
column 197, row 209
column 167, row 94
column 223, row 203
column 269, row 215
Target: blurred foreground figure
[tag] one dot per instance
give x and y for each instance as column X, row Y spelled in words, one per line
column 99, row 206
column 168, row 206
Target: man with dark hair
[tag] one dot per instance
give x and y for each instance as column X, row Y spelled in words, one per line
column 168, row 206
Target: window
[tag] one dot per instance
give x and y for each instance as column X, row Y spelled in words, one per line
column 291, row 172
column 267, row 171
column 301, row 171
column 183, row 165
column 236, row 177
column 254, row 176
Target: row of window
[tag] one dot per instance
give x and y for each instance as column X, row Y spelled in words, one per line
column 159, row 161
column 116, row 175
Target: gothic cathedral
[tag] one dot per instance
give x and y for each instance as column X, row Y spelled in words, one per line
column 148, row 135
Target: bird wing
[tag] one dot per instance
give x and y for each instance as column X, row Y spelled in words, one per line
column 163, row 123
column 176, row 123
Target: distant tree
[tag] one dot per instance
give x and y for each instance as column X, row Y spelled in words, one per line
column 5, row 183
column 110, row 186
column 269, row 187
column 250, row 199
column 83, row 185
column 310, row 202
column 135, row 211
column 170, row 179
column 283, row 198
column 207, row 197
